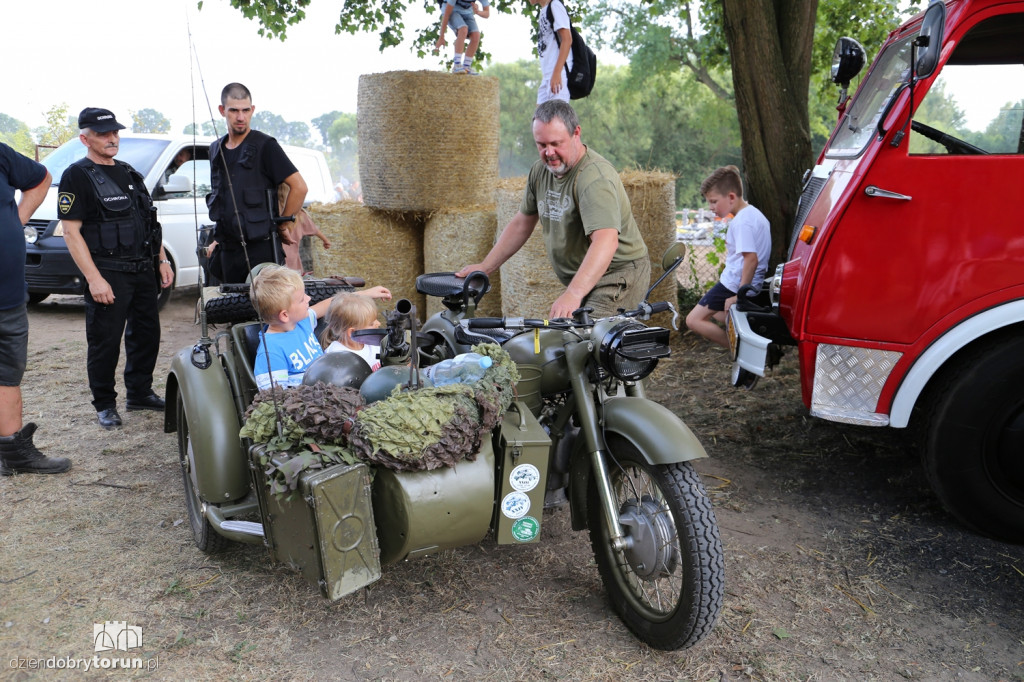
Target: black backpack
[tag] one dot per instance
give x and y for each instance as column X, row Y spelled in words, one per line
column 584, row 62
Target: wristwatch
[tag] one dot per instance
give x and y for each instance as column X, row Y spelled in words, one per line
column 165, row 261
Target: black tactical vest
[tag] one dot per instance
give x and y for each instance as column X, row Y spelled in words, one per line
column 250, row 211
column 127, row 228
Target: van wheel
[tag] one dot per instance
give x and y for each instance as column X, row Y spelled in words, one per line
column 974, row 443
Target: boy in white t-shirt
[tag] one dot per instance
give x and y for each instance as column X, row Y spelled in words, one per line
column 748, row 245
column 555, row 55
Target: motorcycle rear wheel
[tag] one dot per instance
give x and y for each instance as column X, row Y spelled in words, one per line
column 668, row 586
column 203, row 534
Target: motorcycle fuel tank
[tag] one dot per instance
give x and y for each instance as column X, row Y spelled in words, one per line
column 540, row 358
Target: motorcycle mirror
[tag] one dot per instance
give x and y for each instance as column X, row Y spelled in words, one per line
column 673, row 256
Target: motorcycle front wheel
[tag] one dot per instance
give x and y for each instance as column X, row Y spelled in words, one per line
column 667, row 584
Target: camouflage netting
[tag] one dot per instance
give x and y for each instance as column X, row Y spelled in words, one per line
column 323, row 425
column 314, row 422
column 436, row 427
column 415, row 154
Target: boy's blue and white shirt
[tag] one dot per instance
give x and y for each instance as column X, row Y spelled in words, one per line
column 290, row 355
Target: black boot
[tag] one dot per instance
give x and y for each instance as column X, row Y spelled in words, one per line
column 19, row 456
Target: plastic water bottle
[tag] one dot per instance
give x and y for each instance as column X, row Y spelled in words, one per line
column 465, row 368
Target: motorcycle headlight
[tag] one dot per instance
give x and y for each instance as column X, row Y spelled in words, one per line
column 630, row 350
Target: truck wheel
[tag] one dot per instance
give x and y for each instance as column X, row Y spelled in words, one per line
column 203, row 534
column 236, row 307
column 974, row 443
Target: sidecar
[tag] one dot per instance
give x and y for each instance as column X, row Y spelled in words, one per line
column 343, row 522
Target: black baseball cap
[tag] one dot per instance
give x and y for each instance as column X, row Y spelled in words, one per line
column 100, row 120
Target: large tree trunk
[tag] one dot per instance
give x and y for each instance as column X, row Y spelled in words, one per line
column 770, row 45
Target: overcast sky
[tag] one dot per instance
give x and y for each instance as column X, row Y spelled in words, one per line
column 132, row 54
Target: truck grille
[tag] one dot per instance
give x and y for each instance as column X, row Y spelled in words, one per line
column 807, row 198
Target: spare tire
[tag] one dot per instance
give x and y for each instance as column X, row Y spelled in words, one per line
column 229, row 308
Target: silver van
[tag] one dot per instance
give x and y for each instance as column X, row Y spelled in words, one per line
column 178, row 191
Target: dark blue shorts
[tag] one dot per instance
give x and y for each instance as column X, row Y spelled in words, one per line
column 13, row 345
column 715, row 298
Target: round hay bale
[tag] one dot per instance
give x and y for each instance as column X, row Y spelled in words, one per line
column 457, row 237
column 383, row 248
column 417, row 152
column 652, row 197
column 528, row 284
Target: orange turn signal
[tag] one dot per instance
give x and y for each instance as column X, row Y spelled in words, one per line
column 807, row 233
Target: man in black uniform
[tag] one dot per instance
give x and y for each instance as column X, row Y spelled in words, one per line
column 112, row 233
column 246, row 167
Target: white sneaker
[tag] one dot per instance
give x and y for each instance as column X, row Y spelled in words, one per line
column 459, row 69
column 469, row 70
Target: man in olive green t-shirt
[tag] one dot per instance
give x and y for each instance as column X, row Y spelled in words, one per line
column 592, row 240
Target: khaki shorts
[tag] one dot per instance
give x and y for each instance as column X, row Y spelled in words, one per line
column 623, row 287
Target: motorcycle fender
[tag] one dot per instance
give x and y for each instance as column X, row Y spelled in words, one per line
column 220, row 465
column 659, row 435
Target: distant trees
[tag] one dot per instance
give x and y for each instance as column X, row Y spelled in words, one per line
column 149, row 121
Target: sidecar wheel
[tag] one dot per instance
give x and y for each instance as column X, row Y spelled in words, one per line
column 667, row 587
column 203, row 534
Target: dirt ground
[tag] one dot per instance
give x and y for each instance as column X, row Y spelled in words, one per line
column 840, row 564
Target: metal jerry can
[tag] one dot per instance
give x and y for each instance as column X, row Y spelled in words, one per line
column 326, row 529
column 525, row 448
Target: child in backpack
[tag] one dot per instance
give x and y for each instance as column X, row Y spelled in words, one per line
column 459, row 14
column 748, row 245
column 555, row 54
column 347, row 313
column 289, row 346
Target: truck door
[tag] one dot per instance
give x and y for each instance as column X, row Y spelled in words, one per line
column 180, row 198
column 932, row 232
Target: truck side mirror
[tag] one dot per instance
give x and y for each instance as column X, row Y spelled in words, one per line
column 929, row 40
column 177, row 184
column 847, row 61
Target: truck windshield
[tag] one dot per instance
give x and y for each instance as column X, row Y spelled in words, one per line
column 883, row 82
column 140, row 152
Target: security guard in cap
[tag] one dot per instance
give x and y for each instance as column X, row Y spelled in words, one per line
column 112, row 233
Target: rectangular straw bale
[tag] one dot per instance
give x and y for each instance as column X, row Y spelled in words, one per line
column 652, row 197
column 381, row 247
column 458, row 237
column 419, row 149
column 528, row 283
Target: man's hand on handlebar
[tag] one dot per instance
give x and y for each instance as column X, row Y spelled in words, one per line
column 564, row 305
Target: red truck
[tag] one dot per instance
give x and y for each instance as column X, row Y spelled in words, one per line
column 903, row 291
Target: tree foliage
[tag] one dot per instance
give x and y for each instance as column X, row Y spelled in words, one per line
column 59, row 126
column 386, row 18
column 287, row 132
column 16, row 135
column 206, row 128
column 149, row 120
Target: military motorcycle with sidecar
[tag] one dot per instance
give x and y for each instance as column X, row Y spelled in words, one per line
column 579, row 428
